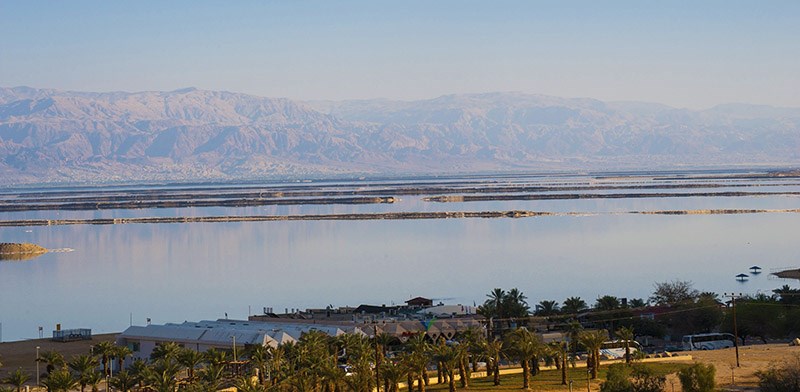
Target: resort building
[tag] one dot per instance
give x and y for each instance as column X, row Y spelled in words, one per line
column 223, row 334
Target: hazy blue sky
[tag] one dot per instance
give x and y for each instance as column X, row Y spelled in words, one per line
column 683, row 53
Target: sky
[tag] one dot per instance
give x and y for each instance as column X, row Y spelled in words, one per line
column 693, row 54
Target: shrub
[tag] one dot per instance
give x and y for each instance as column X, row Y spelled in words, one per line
column 617, row 379
column 698, row 378
column 645, row 380
column 784, row 378
column 636, row 378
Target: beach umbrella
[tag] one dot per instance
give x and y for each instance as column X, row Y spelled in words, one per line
column 741, row 277
column 755, row 269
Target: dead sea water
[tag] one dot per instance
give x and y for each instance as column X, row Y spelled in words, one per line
column 173, row 272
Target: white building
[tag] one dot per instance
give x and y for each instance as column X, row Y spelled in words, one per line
column 221, row 334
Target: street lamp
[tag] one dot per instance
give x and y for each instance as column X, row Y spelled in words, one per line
column 37, row 366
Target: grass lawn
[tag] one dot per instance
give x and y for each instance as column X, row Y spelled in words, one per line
column 550, row 380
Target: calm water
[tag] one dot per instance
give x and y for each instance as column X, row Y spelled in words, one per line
column 177, row 272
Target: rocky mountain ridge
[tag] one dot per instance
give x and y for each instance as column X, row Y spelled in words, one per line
column 189, row 134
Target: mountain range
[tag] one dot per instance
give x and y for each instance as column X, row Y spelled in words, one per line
column 189, row 134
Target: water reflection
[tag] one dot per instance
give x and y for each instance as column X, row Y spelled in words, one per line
column 176, row 272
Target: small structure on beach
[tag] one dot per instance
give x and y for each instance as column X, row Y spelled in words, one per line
column 755, row 270
column 70, row 335
column 742, row 277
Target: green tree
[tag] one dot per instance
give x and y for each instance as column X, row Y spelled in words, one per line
column 574, row 305
column 17, row 378
column 448, row 357
column 84, row 366
column 607, row 302
column 105, row 350
column 138, row 370
column 473, row 338
column 627, row 336
column 52, row 359
column 788, row 295
column 674, row 293
column 393, row 372
column 59, row 381
column 546, row 308
column 120, row 353
column 258, row 356
column 524, row 346
column 246, row 384
column 167, row 351
column 161, row 376
column 593, row 341
column 211, row 376
column 92, row 379
column 637, row 303
column 698, row 378
column 494, row 354
column 190, row 359
column 419, row 351
column 124, row 381
column 759, row 316
column 617, row 379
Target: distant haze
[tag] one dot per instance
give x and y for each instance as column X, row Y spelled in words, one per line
column 693, row 54
column 191, row 134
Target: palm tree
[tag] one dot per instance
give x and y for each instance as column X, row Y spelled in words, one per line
column 84, row 366
column 574, row 329
column 393, row 373
column 573, row 305
column 52, row 358
column 361, row 378
column 92, row 379
column 105, row 350
column 525, row 346
column 494, row 353
column 462, row 351
column 190, row 359
column 496, row 299
column 246, row 384
column 59, row 381
column 258, row 356
column 637, row 303
column 473, row 337
column 546, row 308
column 593, row 340
column 168, row 350
column 213, row 356
column 138, row 370
column 516, row 304
column 627, row 336
column 607, row 302
column 124, row 381
column 121, row 352
column 17, row 378
column 420, row 351
column 212, row 375
column 448, row 357
column 161, row 376
column 382, row 341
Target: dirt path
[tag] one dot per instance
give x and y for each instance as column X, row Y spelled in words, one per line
column 752, row 358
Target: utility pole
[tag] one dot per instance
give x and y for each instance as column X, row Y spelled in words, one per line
column 377, row 360
column 733, row 297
